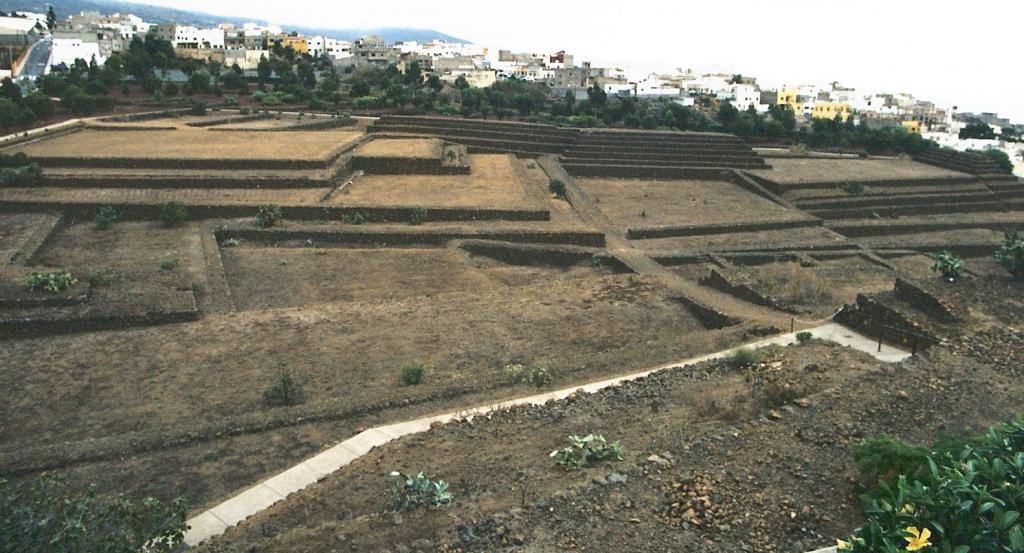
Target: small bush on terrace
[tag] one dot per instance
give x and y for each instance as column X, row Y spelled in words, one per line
column 172, row 214
column 1010, row 254
column 419, row 491
column 105, row 216
column 855, row 188
column 744, row 357
column 413, row 373
column 960, row 496
column 354, row 219
column 52, row 281
column 418, row 215
column 804, row 337
column 267, row 215
column 283, row 391
column 539, row 377
column 197, row 108
column 557, row 188
column 46, row 515
column 582, row 452
column 168, row 264
column 949, row 265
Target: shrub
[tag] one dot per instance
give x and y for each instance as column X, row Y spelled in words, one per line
column 744, row 357
column 419, row 491
column 966, row 498
column 949, row 265
column 105, row 216
column 173, row 214
column 804, row 337
column 1010, row 254
column 52, row 281
column 557, row 188
column 582, row 452
column 267, row 215
column 230, row 243
column 283, row 391
column 45, row 515
column 418, row 215
column 354, row 219
column 413, row 373
column 855, row 188
column 168, row 264
column 538, row 377
column 101, row 277
column 794, row 284
column 197, row 108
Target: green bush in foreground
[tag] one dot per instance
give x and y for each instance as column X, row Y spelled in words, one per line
column 52, row 281
column 583, row 452
column 267, row 215
column 46, row 516
column 1010, row 254
column 744, row 357
column 963, row 496
column 413, row 373
column 418, row 491
column 172, row 214
column 105, row 216
column 283, row 391
column 557, row 188
column 804, row 337
column 418, row 215
column 949, row 265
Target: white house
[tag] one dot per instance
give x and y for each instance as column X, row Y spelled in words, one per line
column 654, row 85
column 334, row 48
column 67, row 49
column 742, row 96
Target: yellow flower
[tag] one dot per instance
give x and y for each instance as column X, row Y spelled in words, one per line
column 907, row 509
column 918, row 539
column 843, row 545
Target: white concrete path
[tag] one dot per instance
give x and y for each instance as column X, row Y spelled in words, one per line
column 257, row 498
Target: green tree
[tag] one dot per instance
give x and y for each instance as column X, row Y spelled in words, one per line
column 977, row 129
column 199, row 82
column 306, row 74
column 263, row 70
column 727, row 114
column 51, row 18
column 461, row 83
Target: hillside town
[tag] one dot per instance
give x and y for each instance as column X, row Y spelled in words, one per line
column 94, row 37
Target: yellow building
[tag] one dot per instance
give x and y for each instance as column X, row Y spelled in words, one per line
column 829, row 110
column 297, row 43
column 912, row 126
column 790, row 97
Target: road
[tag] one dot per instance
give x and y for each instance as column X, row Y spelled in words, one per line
column 38, row 59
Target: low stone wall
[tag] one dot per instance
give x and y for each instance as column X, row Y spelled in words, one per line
column 872, row 316
column 709, row 318
column 432, row 237
column 26, row 327
column 855, row 230
column 407, row 166
column 181, row 182
column 151, row 211
column 919, row 209
column 742, row 289
column 229, row 119
column 517, row 253
column 645, row 172
column 925, row 300
column 895, row 200
column 145, row 116
column 718, row 228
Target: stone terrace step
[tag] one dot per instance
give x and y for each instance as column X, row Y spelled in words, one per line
column 505, row 127
column 692, row 161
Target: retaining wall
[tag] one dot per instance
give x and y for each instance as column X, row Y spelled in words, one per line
column 925, row 300
column 718, row 228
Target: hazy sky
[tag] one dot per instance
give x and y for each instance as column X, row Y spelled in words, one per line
column 960, row 53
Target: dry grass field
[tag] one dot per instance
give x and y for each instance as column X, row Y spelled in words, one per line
column 401, row 147
column 191, row 143
column 263, row 278
column 492, row 182
column 636, row 203
column 800, row 170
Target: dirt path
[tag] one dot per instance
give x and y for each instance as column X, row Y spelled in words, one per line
column 261, row 496
column 637, row 260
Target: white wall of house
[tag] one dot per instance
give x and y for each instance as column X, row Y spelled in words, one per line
column 67, row 50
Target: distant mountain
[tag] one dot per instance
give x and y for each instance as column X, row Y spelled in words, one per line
column 158, row 14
